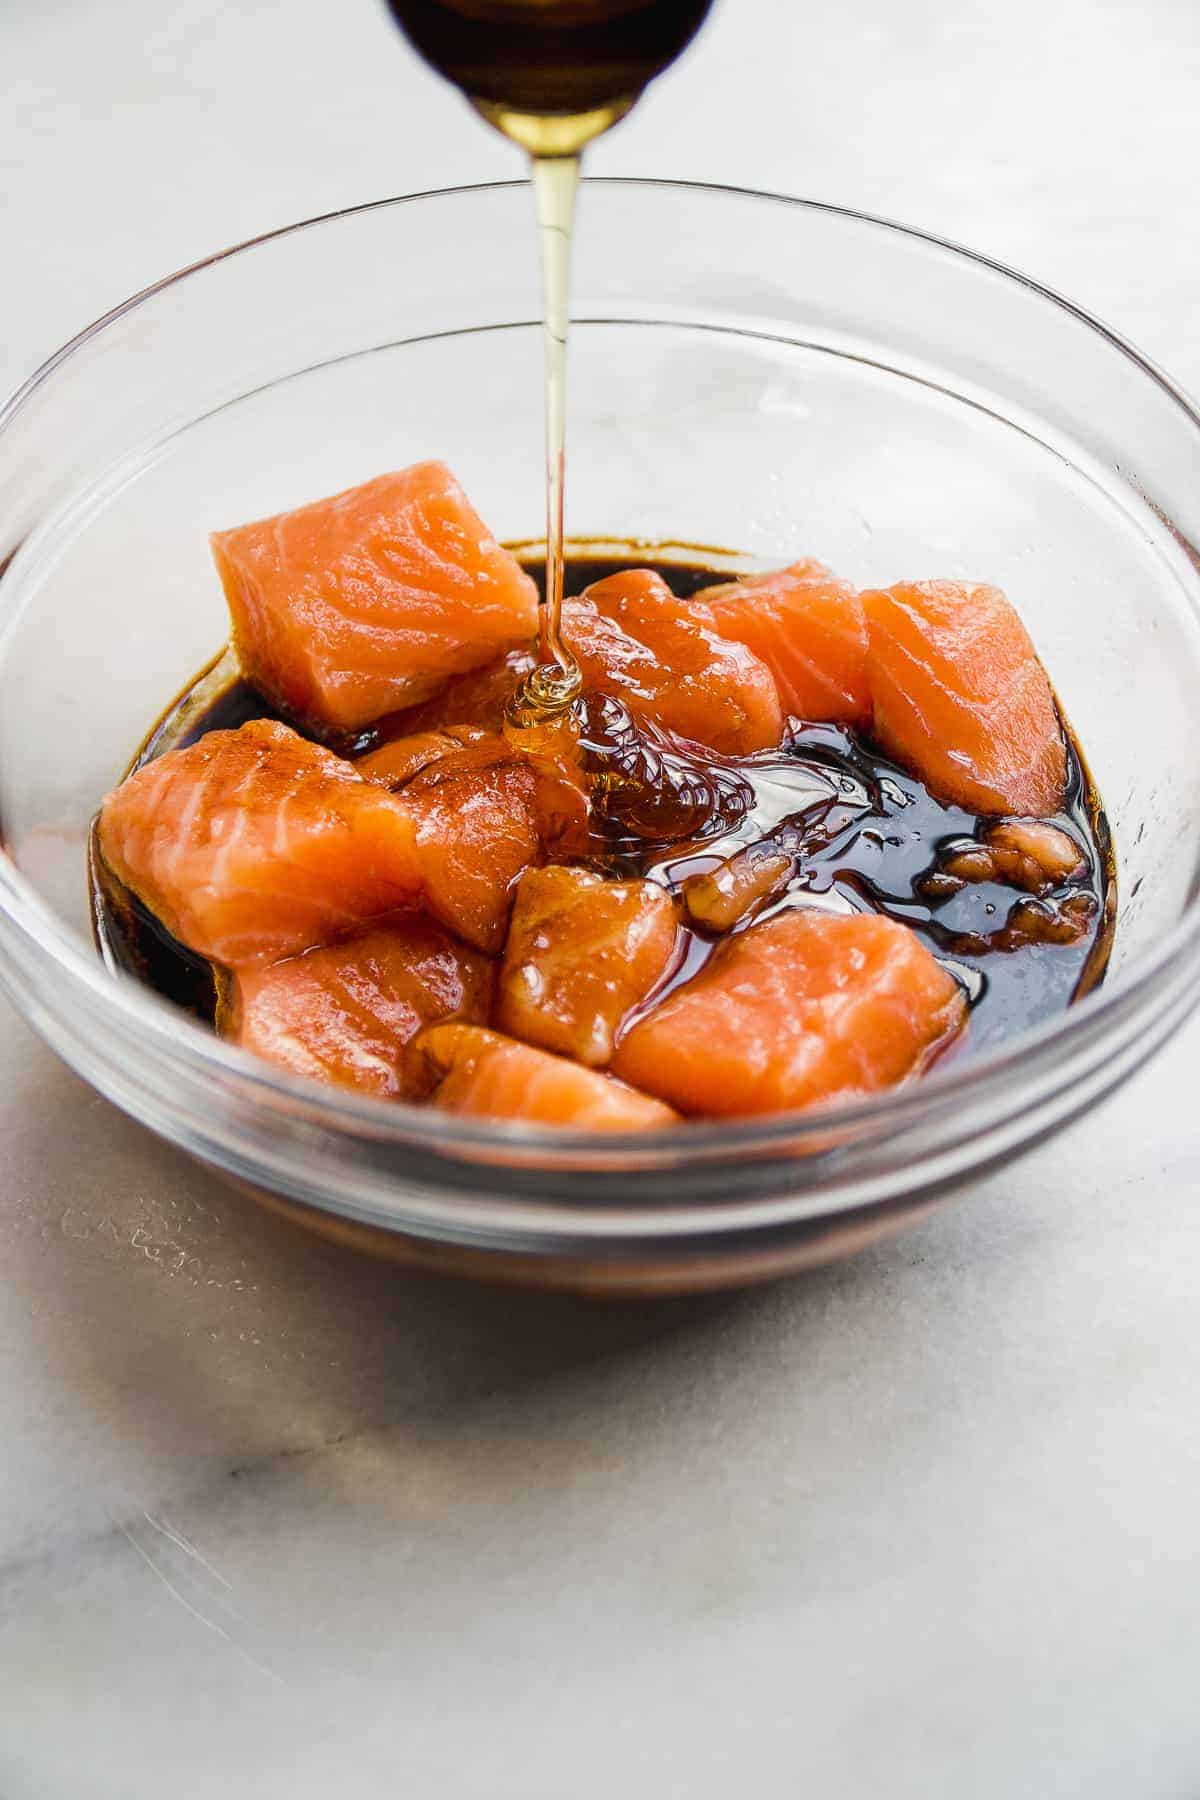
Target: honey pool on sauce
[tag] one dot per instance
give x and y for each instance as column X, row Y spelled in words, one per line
column 867, row 836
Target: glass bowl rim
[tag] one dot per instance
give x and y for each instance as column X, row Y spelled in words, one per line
column 1025, row 1056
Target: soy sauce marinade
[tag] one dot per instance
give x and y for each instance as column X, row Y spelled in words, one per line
column 867, row 836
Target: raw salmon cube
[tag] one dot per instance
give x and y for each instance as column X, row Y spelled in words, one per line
column 808, row 626
column 361, row 604
column 344, row 1013
column 483, row 815
column 637, row 641
column 582, row 952
column 560, row 785
column 960, row 698
column 486, row 812
column 255, row 844
column 481, row 1074
column 480, row 697
column 806, row 1007
column 397, row 761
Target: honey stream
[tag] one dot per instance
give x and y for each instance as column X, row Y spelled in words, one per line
column 551, row 75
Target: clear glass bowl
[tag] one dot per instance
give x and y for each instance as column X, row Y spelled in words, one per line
column 747, row 371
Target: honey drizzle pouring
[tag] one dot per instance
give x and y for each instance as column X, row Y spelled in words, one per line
column 556, row 681
column 554, row 143
column 551, row 75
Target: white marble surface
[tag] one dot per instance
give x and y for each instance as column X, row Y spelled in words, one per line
column 277, row 1521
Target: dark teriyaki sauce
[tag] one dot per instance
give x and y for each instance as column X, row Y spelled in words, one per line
column 866, row 836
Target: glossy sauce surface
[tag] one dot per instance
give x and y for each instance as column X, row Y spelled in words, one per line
column 862, row 833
